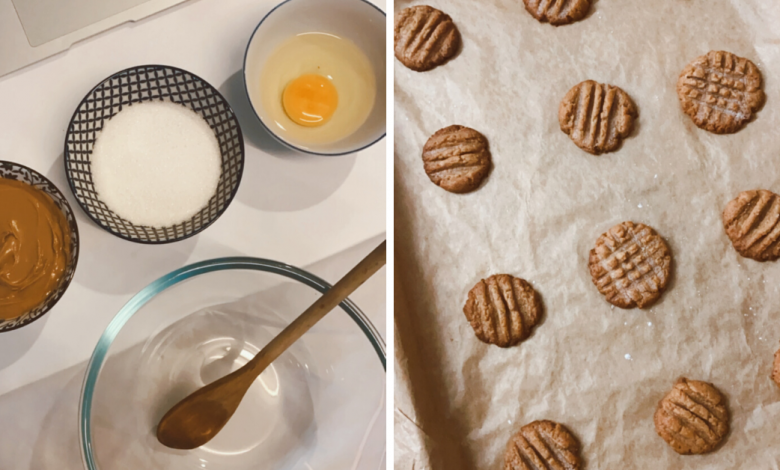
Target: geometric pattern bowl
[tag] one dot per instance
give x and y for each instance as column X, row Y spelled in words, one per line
column 15, row 171
column 148, row 83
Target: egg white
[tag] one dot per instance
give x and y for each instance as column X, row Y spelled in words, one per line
column 330, row 56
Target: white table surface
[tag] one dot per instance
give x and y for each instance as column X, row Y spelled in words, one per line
column 290, row 207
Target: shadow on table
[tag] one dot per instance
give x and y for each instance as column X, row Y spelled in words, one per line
column 109, row 264
column 15, row 344
column 40, row 429
column 278, row 179
column 57, row 446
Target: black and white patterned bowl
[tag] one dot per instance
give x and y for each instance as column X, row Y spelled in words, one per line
column 15, row 171
column 148, row 83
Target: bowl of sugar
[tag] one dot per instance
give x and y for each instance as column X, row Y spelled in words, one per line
column 154, row 154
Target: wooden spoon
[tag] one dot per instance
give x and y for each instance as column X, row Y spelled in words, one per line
column 198, row 418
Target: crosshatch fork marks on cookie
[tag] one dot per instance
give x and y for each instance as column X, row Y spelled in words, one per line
column 424, row 37
column 543, row 445
column 558, row 12
column 503, row 310
column 630, row 265
column 720, row 91
column 597, row 117
column 752, row 222
column 692, row 418
column 457, row 158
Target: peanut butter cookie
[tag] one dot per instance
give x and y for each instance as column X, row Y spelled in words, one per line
column 425, row 37
column 503, row 310
column 752, row 222
column 720, row 91
column 597, row 117
column 543, row 445
column 457, row 158
column 558, row 12
column 692, row 418
column 630, row 265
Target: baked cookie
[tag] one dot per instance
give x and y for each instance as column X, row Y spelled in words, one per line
column 425, row 37
column 457, row 158
column 597, row 117
column 692, row 418
column 720, row 91
column 752, row 222
column 776, row 368
column 558, row 12
column 503, row 310
column 543, row 445
column 630, row 265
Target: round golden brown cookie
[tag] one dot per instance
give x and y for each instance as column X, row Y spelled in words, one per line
column 503, row 310
column 457, row 158
column 692, row 418
column 597, row 117
column 543, row 445
column 776, row 368
column 424, row 37
column 558, row 12
column 630, row 265
column 752, row 222
column 720, row 91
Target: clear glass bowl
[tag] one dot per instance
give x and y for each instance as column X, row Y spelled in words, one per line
column 321, row 405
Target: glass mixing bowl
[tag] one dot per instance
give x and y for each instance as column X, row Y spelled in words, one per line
column 321, row 405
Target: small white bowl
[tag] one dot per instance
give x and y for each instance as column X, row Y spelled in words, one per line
column 357, row 20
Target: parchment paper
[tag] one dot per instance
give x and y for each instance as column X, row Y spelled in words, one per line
column 599, row 370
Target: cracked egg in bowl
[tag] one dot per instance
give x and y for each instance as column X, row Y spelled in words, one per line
column 314, row 73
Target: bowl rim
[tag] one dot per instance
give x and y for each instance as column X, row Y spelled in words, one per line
column 267, row 128
column 74, row 230
column 146, row 294
column 228, row 201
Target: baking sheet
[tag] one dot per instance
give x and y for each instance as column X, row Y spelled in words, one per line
column 597, row 369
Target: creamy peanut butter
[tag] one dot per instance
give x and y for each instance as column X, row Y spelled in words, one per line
column 34, row 247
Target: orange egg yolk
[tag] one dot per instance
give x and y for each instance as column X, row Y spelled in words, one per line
column 310, row 100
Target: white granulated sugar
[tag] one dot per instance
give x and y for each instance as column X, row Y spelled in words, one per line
column 156, row 163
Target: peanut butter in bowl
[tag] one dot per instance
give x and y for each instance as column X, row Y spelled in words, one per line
column 34, row 247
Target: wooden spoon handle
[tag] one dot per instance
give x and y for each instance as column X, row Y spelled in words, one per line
column 354, row 279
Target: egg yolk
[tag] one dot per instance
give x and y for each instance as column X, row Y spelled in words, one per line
column 310, row 100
